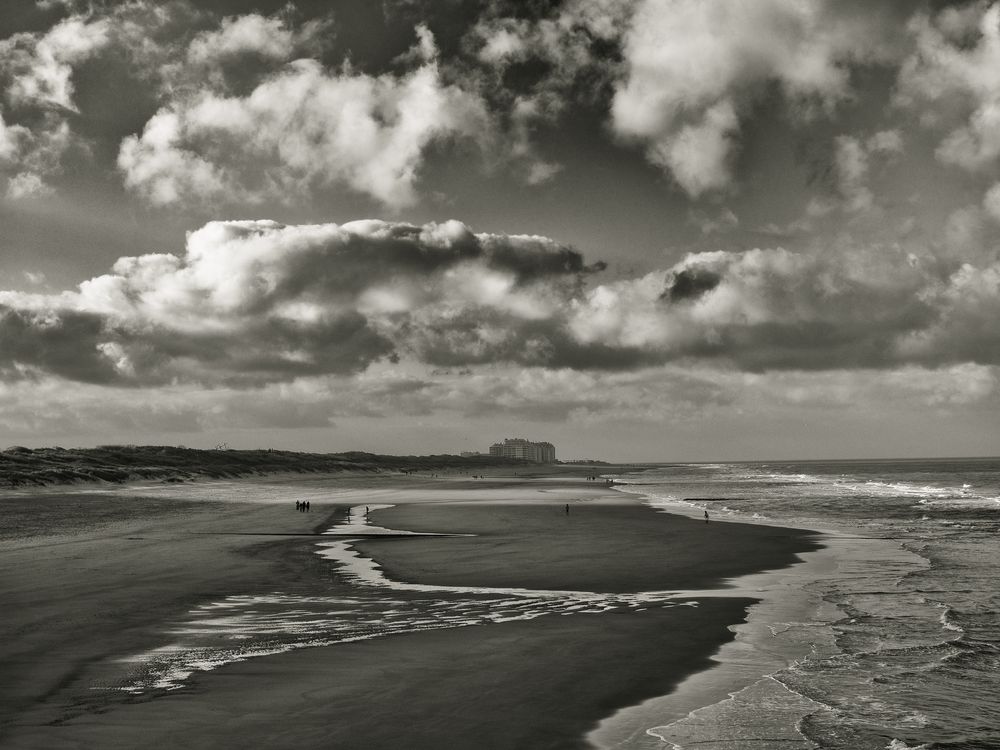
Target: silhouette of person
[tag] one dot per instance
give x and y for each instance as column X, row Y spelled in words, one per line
column 567, row 509
column 297, row 505
column 706, row 516
column 307, row 505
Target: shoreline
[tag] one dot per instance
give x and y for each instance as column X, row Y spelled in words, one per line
column 757, row 651
column 790, row 620
column 705, row 629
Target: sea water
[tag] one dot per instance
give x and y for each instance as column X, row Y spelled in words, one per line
column 900, row 646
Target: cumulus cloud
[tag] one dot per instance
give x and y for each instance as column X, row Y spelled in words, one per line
column 36, row 82
column 39, row 111
column 774, row 309
column 952, row 70
column 259, row 301
column 39, row 67
column 574, row 43
column 698, row 154
column 965, row 327
column 252, row 34
column 567, row 40
column 299, row 128
column 682, row 75
column 241, row 51
column 693, row 67
column 248, row 112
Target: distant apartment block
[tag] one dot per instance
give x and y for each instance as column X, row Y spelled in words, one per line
column 541, row 453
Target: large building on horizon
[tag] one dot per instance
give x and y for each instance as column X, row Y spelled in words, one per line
column 540, row 453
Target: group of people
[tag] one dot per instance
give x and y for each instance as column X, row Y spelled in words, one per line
column 302, row 506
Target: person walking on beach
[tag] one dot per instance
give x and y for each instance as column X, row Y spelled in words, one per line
column 706, row 516
column 297, row 505
column 567, row 509
column 307, row 506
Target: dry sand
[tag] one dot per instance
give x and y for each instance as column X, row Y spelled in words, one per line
column 76, row 599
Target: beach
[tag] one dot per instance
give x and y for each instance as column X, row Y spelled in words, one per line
column 94, row 581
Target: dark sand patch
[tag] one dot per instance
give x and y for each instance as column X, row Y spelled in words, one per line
column 613, row 548
column 54, row 514
column 105, row 584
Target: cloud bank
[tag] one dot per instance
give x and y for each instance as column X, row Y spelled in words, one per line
column 676, row 394
column 253, row 302
column 258, row 301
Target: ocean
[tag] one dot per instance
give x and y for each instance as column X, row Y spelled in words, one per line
column 894, row 641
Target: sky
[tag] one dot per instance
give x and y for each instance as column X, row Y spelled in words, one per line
column 657, row 230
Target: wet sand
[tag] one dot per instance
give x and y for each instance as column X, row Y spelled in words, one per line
column 605, row 547
column 101, row 589
column 76, row 600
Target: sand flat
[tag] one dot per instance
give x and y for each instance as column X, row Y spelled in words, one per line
column 594, row 547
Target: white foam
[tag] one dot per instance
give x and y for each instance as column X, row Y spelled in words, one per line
column 946, row 621
column 766, row 711
column 357, row 523
column 788, row 623
column 791, row 622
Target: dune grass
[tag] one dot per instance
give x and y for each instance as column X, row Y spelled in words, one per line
column 27, row 467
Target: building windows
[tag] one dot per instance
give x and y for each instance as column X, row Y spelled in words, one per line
column 540, row 453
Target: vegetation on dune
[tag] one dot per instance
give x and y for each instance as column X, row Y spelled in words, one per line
column 25, row 467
